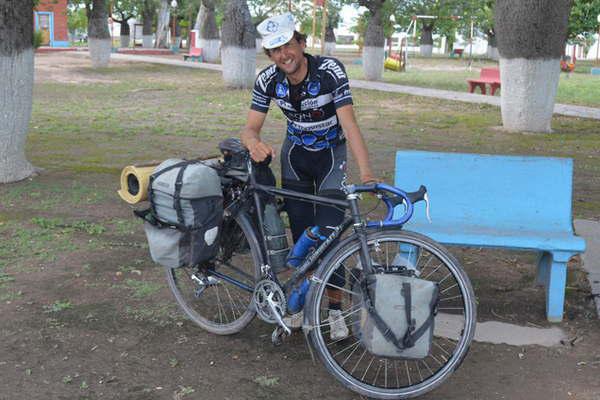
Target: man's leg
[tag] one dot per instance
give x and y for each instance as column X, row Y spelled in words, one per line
column 293, row 177
column 328, row 217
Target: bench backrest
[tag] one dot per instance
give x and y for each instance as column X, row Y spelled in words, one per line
column 195, row 51
column 490, row 73
column 488, row 191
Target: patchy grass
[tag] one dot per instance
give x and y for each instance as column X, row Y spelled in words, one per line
column 265, row 381
column 58, row 306
column 578, row 89
column 142, row 289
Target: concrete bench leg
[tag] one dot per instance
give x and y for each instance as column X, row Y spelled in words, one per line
column 407, row 256
column 552, row 273
column 494, row 87
column 544, row 263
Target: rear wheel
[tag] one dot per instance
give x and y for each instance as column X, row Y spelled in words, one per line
column 386, row 377
column 218, row 297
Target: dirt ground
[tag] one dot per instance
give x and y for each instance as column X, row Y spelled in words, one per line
column 87, row 315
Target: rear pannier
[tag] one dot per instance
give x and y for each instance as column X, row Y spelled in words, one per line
column 186, row 209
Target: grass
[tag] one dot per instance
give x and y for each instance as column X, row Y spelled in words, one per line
column 58, row 306
column 579, row 88
column 153, row 112
column 83, row 134
column 576, row 89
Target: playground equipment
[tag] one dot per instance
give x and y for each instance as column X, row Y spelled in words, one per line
column 394, row 62
column 403, row 42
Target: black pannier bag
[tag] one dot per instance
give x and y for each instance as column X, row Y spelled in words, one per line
column 235, row 158
column 186, row 209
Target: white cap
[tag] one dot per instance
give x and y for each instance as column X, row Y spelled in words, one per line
column 277, row 31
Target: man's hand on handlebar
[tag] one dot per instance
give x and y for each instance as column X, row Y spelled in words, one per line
column 259, row 151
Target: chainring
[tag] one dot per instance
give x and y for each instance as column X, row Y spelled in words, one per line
column 262, row 291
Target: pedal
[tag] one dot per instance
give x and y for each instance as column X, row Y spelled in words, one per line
column 278, row 335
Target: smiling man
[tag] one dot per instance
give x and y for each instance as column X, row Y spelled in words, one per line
column 314, row 95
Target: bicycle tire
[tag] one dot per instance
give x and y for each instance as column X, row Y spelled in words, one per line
column 208, row 308
column 404, row 387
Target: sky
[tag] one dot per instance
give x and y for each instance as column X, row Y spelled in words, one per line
column 348, row 14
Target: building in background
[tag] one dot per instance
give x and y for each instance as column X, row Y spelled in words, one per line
column 50, row 18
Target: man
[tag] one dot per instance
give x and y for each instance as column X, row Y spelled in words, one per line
column 314, row 95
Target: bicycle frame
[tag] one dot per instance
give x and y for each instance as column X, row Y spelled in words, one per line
column 351, row 202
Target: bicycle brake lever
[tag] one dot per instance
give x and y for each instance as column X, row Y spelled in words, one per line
column 426, row 198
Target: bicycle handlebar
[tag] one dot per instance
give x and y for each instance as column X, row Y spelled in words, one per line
column 402, row 197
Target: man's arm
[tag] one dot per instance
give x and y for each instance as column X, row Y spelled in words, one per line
column 250, row 137
column 356, row 141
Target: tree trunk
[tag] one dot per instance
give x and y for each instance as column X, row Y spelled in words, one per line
column 148, row 13
column 162, row 28
column 238, row 55
column 373, row 50
column 531, row 38
column 329, row 41
column 125, row 33
column 175, row 34
column 492, row 50
column 16, row 90
column 209, row 34
column 99, row 37
column 426, row 41
column 199, row 17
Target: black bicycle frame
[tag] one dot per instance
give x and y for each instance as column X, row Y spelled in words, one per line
column 354, row 219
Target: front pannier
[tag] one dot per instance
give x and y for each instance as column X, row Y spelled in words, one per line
column 396, row 316
column 186, row 209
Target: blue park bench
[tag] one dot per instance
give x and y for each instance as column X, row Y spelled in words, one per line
column 509, row 202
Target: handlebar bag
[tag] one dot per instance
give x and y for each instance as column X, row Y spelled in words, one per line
column 186, row 209
column 396, row 317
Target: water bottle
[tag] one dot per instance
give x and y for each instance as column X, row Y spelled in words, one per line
column 296, row 298
column 276, row 238
column 307, row 241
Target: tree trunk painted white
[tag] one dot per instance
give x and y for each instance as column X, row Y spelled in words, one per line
column 239, row 66
column 124, row 41
column 147, row 41
column 210, row 49
column 100, row 50
column 528, row 92
column 372, row 60
column 199, row 17
column 492, row 53
column 16, row 92
column 259, row 48
column 162, row 25
column 426, row 50
column 329, row 48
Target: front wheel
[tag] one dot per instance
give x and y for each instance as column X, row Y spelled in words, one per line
column 348, row 359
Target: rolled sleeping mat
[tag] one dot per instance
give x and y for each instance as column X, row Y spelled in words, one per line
column 134, row 182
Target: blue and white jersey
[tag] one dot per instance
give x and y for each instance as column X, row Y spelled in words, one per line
column 310, row 107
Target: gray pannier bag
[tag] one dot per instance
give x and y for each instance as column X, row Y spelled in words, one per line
column 396, row 317
column 186, row 209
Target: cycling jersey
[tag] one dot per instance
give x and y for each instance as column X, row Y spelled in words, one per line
column 310, row 107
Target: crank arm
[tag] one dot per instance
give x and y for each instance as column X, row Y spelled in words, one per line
column 278, row 317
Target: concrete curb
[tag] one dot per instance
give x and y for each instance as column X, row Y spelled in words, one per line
column 494, row 332
column 590, row 231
